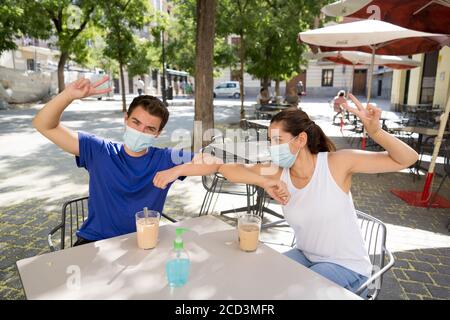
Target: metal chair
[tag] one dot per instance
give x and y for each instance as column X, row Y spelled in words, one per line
column 74, row 213
column 374, row 233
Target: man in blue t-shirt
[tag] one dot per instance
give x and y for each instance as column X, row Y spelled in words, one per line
column 123, row 177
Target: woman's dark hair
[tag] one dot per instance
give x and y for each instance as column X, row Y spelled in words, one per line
column 153, row 106
column 341, row 93
column 296, row 121
column 261, row 90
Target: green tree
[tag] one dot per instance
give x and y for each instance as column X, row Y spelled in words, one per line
column 120, row 20
column 143, row 57
column 238, row 17
column 181, row 40
column 67, row 19
column 273, row 51
column 14, row 22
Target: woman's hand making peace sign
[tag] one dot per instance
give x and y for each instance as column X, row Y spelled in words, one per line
column 370, row 115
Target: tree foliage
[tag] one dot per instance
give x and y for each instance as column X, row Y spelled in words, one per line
column 181, row 44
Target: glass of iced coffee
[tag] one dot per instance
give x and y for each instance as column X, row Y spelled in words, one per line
column 147, row 227
column 249, row 226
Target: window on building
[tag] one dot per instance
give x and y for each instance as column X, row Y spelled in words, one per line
column 327, row 77
column 30, row 64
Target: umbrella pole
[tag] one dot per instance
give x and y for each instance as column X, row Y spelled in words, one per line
column 437, row 145
column 372, row 63
column 353, row 79
column 369, row 92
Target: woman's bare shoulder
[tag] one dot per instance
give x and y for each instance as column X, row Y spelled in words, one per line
column 341, row 158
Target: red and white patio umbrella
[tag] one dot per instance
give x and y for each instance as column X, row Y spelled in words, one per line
column 372, row 36
column 422, row 15
column 356, row 58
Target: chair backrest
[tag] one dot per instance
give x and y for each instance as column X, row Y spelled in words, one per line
column 74, row 213
column 216, row 183
column 374, row 235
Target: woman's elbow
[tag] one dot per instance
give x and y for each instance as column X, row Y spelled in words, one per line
column 413, row 157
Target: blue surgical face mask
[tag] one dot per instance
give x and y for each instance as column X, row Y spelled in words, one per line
column 282, row 156
column 137, row 141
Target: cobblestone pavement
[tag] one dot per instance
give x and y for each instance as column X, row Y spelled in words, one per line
column 36, row 178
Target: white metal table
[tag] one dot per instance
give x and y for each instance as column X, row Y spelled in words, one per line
column 117, row 269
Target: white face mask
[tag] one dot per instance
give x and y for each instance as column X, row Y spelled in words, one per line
column 137, row 141
column 282, row 156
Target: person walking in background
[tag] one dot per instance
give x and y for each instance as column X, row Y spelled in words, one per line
column 140, row 86
column 339, row 102
column 300, row 89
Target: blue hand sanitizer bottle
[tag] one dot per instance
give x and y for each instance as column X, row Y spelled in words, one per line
column 178, row 264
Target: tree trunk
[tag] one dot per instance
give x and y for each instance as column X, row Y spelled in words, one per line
column 266, row 82
column 291, row 85
column 241, row 73
column 13, row 59
column 122, row 83
column 277, row 88
column 204, row 111
column 61, row 64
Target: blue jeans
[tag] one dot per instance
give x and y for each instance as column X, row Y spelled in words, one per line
column 344, row 277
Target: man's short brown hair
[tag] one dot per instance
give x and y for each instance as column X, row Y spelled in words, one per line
column 153, row 106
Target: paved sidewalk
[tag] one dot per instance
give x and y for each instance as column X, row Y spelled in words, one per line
column 36, row 178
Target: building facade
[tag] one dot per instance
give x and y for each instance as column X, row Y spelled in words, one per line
column 428, row 84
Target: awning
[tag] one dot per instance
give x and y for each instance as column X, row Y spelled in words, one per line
column 177, row 73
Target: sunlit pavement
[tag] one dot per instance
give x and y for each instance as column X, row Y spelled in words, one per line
column 36, row 178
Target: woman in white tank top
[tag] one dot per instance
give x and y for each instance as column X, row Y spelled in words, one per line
column 312, row 182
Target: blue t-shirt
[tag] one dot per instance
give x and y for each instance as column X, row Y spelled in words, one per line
column 121, row 185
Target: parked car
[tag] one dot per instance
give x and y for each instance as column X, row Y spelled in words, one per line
column 228, row 89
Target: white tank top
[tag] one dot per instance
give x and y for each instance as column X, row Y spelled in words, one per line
column 324, row 220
